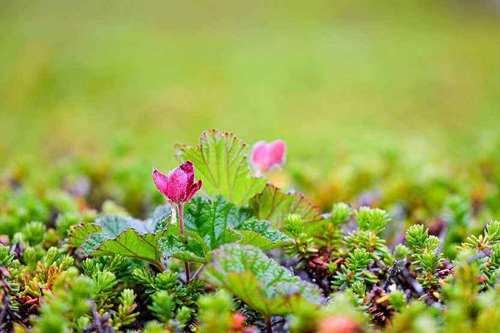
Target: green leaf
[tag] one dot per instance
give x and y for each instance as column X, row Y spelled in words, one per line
column 80, row 232
column 220, row 222
column 132, row 244
column 186, row 248
column 259, row 281
column 113, row 225
column 221, row 161
column 274, row 205
column 161, row 217
column 212, row 223
column 93, row 242
column 258, row 234
column 112, row 235
column 211, row 218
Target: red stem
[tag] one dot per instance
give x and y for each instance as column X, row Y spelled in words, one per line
column 180, row 209
column 269, row 325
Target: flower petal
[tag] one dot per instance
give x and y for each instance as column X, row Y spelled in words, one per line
column 177, row 185
column 277, row 151
column 260, row 155
column 195, row 188
column 266, row 156
column 161, row 181
column 188, row 169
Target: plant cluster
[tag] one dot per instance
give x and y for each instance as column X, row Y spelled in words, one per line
column 228, row 251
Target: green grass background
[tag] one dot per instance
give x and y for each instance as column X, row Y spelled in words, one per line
column 332, row 78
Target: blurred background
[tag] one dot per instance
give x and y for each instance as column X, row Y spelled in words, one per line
column 339, row 81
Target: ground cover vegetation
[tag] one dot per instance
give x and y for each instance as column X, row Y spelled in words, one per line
column 220, row 246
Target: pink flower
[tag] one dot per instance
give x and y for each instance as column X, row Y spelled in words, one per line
column 338, row 324
column 178, row 186
column 266, row 156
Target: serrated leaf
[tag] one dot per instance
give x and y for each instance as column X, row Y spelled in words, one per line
column 186, row 248
column 132, row 244
column 113, row 225
column 160, row 217
column 254, row 239
column 93, row 242
column 263, row 228
column 80, row 232
column 259, row 234
column 217, row 222
column 259, row 281
column 221, row 161
column 211, row 218
column 220, row 222
column 111, row 235
column 274, row 205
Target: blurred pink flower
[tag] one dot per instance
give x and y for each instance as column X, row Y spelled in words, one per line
column 178, row 186
column 338, row 324
column 266, row 156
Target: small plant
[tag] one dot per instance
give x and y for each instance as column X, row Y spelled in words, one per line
column 232, row 252
column 260, row 282
column 178, row 188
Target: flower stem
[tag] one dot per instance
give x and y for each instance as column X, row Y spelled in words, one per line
column 269, row 325
column 180, row 209
column 198, row 271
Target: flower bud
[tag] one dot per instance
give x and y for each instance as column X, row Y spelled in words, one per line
column 266, row 156
column 178, row 186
